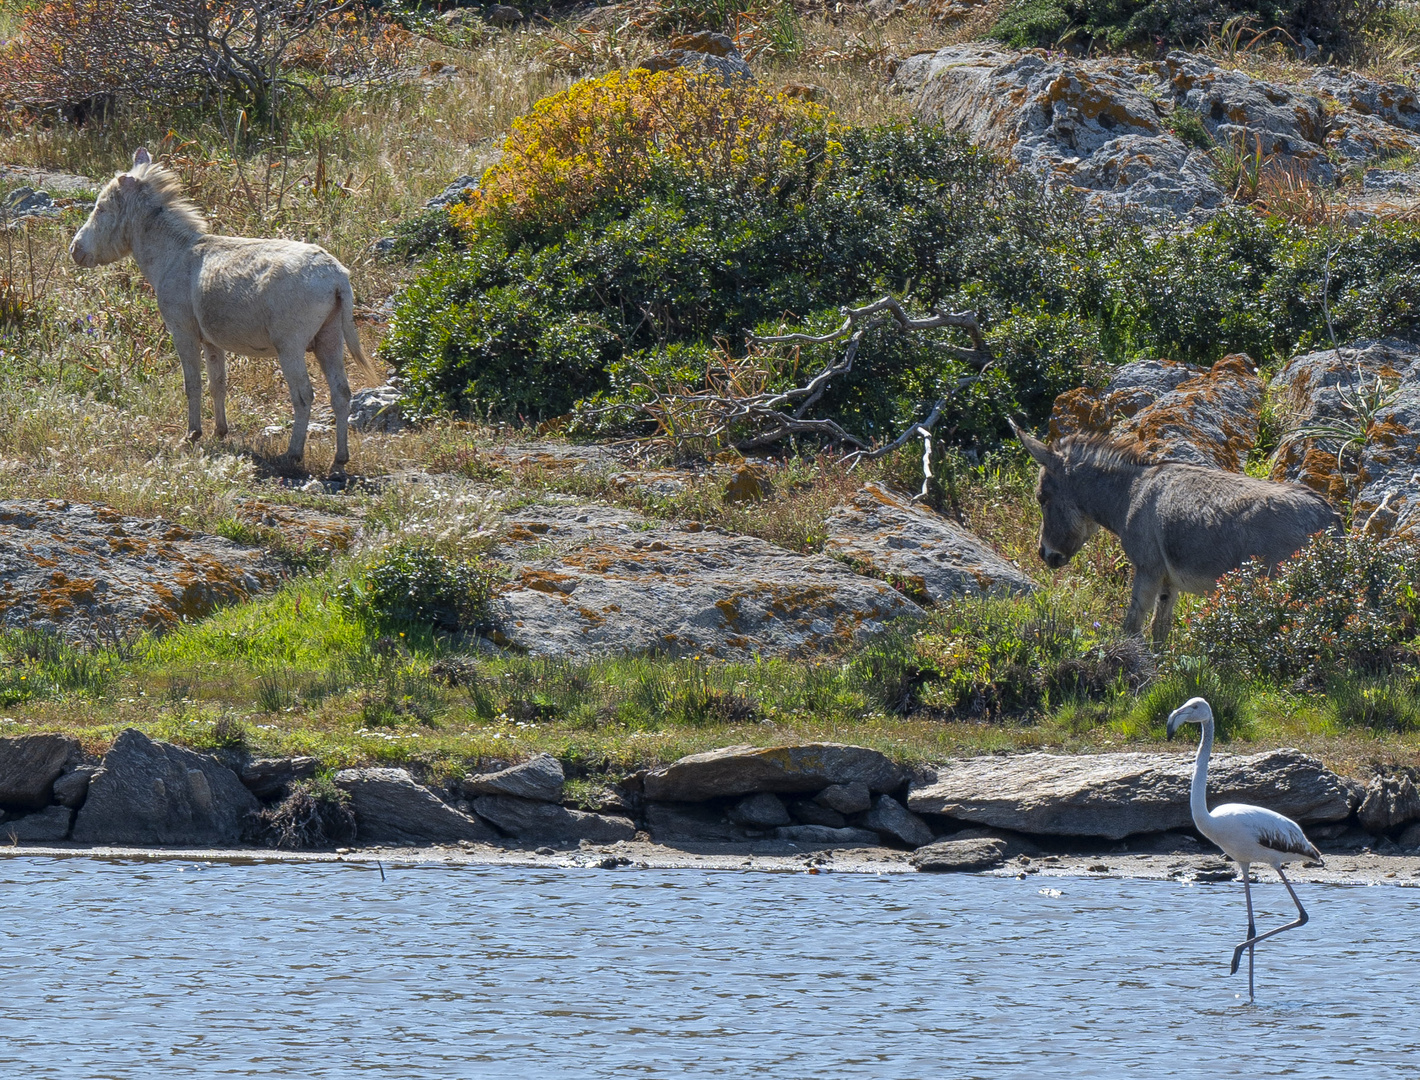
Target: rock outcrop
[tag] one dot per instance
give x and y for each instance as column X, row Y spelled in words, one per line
column 890, row 537
column 616, row 583
column 1206, row 418
column 1118, row 795
column 29, row 766
column 744, row 770
column 704, row 52
column 1390, row 803
column 68, row 567
column 1388, row 502
column 390, row 808
column 1136, row 133
column 153, row 793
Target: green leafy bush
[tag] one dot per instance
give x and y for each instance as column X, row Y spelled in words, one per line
column 1381, row 704
column 1187, row 677
column 1341, row 604
column 1118, row 23
column 411, row 583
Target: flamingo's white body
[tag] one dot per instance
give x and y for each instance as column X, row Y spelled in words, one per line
column 1247, row 834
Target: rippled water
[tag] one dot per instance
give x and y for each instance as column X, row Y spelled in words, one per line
column 138, row 969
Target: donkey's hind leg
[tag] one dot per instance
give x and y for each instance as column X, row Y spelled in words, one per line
column 329, row 347
column 1163, row 614
column 217, row 386
column 298, row 381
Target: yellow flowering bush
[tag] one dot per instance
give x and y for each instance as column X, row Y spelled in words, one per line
column 604, row 139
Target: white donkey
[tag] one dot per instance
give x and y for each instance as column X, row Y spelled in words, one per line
column 221, row 294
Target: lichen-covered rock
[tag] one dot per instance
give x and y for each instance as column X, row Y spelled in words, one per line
column 1105, row 126
column 892, row 538
column 705, row 52
column 1206, row 418
column 69, row 568
column 377, row 408
column 155, row 793
column 1118, row 795
column 1323, row 387
column 390, row 808
column 743, row 770
column 617, row 584
column 1388, row 502
column 29, row 765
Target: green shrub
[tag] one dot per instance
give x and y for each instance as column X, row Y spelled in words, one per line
column 411, row 583
column 1381, row 704
column 1338, row 605
column 1226, row 692
column 1119, row 23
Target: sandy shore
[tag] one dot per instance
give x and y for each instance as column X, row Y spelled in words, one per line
column 1354, row 869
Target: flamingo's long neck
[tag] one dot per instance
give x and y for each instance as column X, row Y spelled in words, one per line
column 1198, row 797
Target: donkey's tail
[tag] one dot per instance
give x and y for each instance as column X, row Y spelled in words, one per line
column 345, row 297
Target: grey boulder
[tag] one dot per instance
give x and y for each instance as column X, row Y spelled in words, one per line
column 29, row 765
column 851, row 798
column 548, row 823
column 690, row 823
column 390, row 808
column 1390, row 802
column 742, row 770
column 1117, row 795
column 808, row 812
column 960, row 855
column 41, row 827
column 269, row 778
column 155, row 793
column 72, row 788
column 763, row 810
column 895, row 823
column 539, row 778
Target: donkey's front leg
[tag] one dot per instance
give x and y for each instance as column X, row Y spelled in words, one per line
column 189, row 350
column 217, row 387
column 1141, row 600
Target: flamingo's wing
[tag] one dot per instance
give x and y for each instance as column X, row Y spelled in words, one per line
column 1267, row 828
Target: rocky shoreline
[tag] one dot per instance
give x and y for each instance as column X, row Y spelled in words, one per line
column 828, row 802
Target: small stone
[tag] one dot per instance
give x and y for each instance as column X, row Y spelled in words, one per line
column 851, row 798
column 894, row 822
column 377, row 408
column 609, row 862
column 544, row 850
column 959, row 855
column 763, row 810
column 1097, row 868
column 502, row 15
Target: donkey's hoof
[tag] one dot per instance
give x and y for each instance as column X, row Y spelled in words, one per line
column 193, row 436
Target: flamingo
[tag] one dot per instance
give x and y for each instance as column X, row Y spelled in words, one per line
column 1247, row 834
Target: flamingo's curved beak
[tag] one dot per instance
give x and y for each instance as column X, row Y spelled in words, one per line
column 1174, row 721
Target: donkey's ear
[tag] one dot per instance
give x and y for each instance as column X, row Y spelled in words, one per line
column 1043, row 455
column 142, row 157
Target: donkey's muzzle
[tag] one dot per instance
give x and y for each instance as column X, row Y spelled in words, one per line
column 1053, row 559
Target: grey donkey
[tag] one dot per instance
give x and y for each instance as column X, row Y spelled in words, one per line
column 220, row 294
column 1182, row 526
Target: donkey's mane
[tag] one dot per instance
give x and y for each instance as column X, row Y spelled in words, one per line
column 167, row 190
column 1102, row 452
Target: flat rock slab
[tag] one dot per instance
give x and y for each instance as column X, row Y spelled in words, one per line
column 156, row 793
column 1117, row 795
column 391, row 808
column 960, row 855
column 540, row 778
column 1207, row 418
column 29, row 765
column 616, row 583
column 887, row 536
column 70, row 567
column 822, row 834
column 548, row 823
column 743, row 770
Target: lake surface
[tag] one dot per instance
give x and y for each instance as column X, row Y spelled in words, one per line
column 165, row 969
